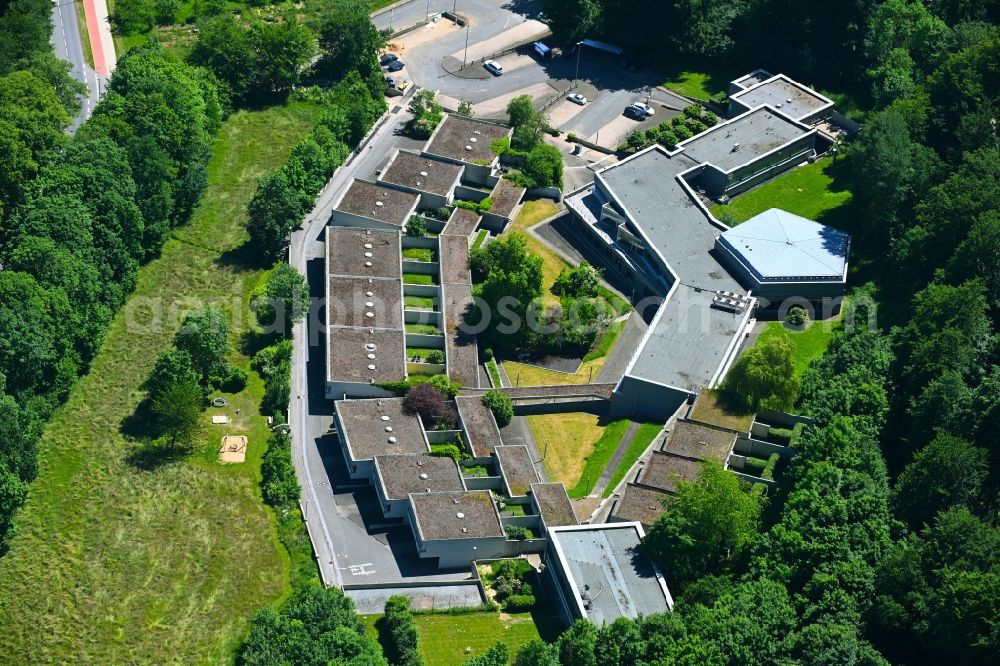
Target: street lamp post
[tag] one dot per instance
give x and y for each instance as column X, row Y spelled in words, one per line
column 466, row 53
column 577, row 75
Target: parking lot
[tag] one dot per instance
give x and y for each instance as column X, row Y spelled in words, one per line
column 434, row 55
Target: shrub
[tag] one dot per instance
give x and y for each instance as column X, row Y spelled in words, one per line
column 435, row 356
column 488, row 353
column 797, row 316
column 416, row 227
column 516, row 532
column 278, row 486
column 501, row 406
column 453, row 451
column 427, row 401
column 234, row 381
column 399, row 633
column 519, row 602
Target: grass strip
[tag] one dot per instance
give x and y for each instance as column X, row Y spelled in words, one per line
column 418, row 254
column 494, row 372
column 480, row 239
column 419, row 278
column 640, row 441
column 598, row 459
column 419, row 302
column 608, row 339
column 423, row 329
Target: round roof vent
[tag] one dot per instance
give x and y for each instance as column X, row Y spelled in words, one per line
column 392, row 440
column 384, row 417
column 369, row 294
column 388, row 428
column 424, row 476
column 423, row 173
column 369, row 254
column 368, row 246
column 371, row 345
column 369, row 304
column 460, row 515
column 379, row 204
column 368, row 264
column 473, row 139
column 369, row 314
column 371, row 366
column 468, row 147
column 371, row 356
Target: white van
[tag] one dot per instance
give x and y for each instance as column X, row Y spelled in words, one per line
column 493, row 67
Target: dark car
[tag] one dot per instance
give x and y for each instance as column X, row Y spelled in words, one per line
column 634, row 113
column 395, row 65
column 387, row 58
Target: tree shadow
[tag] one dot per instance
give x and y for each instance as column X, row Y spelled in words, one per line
column 152, row 455
column 240, row 258
column 253, row 341
column 140, row 425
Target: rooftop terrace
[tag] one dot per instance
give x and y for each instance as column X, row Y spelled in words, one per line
column 465, row 139
column 364, row 428
column 378, row 202
column 417, row 172
column 348, row 250
column 458, row 515
column 401, row 475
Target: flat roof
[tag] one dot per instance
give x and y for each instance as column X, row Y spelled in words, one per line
column 777, row 246
column 516, row 467
column 352, row 299
column 479, row 424
column 641, row 504
column 461, row 223
column 608, row 576
column 753, row 78
column 785, row 95
column 505, row 196
column 347, row 252
column 348, row 360
column 419, row 172
column 688, row 339
column 364, row 428
column 465, row 139
column 554, row 504
column 693, row 440
column 453, row 257
column 463, row 351
column 401, row 475
column 758, row 132
column 666, row 471
column 378, row 202
column 457, row 515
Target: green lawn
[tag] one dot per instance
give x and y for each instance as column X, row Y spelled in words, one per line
column 420, row 352
column 599, row 457
column 418, row 254
column 494, row 371
column 806, row 345
column 423, row 329
column 697, row 80
column 419, row 278
column 607, row 341
column 449, row 639
column 642, row 438
column 811, row 191
column 115, row 562
column 480, row 239
column 419, row 302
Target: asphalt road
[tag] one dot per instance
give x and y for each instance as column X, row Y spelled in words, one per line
column 67, row 46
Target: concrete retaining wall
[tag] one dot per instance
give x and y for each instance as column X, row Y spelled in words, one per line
column 422, row 340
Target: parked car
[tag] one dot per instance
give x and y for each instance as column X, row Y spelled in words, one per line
column 493, row 67
column 387, row 58
column 395, row 65
column 640, row 110
column 577, row 98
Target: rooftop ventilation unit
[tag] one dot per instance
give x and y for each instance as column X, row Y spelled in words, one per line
column 455, row 501
column 459, row 515
column 789, row 100
column 392, row 440
column 424, row 476
column 388, row 428
column 465, row 530
column 371, row 357
column 468, row 147
column 476, row 132
column 730, row 302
